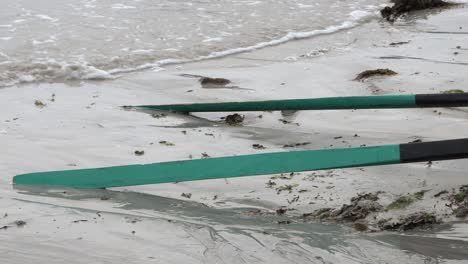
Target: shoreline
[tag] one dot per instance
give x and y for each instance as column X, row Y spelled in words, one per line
column 83, row 127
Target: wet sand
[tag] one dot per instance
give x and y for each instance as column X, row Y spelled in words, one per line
column 83, row 127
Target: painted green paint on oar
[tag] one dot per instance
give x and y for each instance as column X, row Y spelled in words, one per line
column 215, row 168
column 330, row 103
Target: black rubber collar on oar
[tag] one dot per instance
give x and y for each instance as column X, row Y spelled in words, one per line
column 433, row 151
column 441, row 100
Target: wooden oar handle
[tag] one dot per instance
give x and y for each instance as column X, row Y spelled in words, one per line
column 442, row 100
column 433, row 151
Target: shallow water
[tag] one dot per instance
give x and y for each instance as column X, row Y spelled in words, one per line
column 58, row 40
column 98, row 229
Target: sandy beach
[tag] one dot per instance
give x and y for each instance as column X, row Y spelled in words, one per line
column 81, row 125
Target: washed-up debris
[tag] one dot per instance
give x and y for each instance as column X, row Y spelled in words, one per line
column 401, row 7
column 281, row 211
column 4, row 227
column 453, row 91
column 406, row 200
column 208, row 82
column 420, row 195
column 159, row 115
column 420, row 220
column 319, row 214
column 401, row 203
column 360, row 226
column 461, row 195
column 283, row 222
column 462, row 211
column 361, row 206
column 270, row 184
column 20, row 223
column 255, row 212
column 39, row 104
column 373, row 73
column 166, row 143
column 234, row 119
column 258, row 146
column 283, row 177
column 287, row 122
column 459, row 202
column 79, row 221
column 295, row 199
column 132, row 220
column 288, row 187
column 52, row 99
column 139, row 152
column 186, row 195
column 205, row 155
column 394, row 44
column 441, row 193
column 295, row 145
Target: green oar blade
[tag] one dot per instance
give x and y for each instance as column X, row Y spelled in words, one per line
column 248, row 165
column 352, row 102
column 215, row 168
column 330, row 103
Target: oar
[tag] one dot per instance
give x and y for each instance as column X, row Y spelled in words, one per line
column 248, row 165
column 330, row 103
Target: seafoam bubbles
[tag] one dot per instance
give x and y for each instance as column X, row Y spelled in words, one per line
column 12, row 73
column 46, row 17
column 102, row 38
column 359, row 14
column 122, row 6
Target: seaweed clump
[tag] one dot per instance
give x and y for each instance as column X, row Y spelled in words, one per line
column 360, row 207
column 453, row 91
column 234, row 119
column 372, row 73
column 460, row 200
column 401, row 7
column 208, row 82
column 420, row 220
column 405, row 201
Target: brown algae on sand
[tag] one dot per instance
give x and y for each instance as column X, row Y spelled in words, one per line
column 405, row 201
column 419, row 220
column 208, row 82
column 374, row 73
column 234, row 119
column 39, row 104
column 453, row 91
